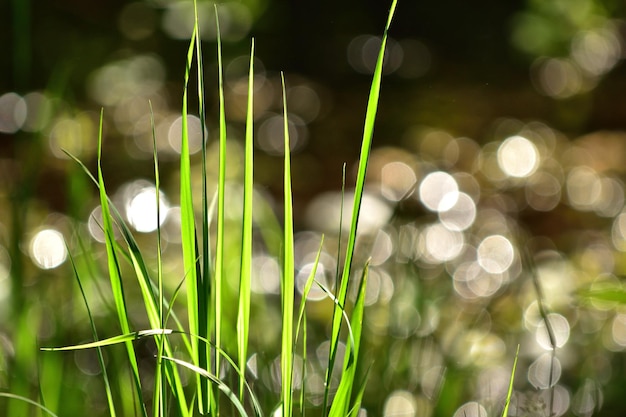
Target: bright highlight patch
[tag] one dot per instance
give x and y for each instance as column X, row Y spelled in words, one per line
column 439, row 191
column 47, row 249
column 518, row 157
column 495, row 254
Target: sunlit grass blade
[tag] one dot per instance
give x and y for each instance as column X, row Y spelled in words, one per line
column 27, row 400
column 243, row 313
column 368, row 133
column 105, row 375
column 287, row 282
column 509, row 394
column 115, row 275
column 204, row 273
column 341, row 403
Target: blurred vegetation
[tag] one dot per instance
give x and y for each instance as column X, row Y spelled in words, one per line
column 498, row 169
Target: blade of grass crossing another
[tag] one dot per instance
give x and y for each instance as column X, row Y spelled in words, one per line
column 287, row 282
column 341, row 403
column 301, row 324
column 204, row 275
column 159, row 406
column 243, row 314
column 105, row 376
column 115, row 275
column 368, row 131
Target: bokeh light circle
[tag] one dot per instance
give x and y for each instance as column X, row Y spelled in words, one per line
column 47, row 249
column 495, row 254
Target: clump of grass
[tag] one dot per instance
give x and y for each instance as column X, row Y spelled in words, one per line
column 207, row 346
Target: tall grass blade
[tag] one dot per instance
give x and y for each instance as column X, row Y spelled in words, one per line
column 115, row 275
column 221, row 197
column 188, row 227
column 287, row 282
column 243, row 313
column 368, row 132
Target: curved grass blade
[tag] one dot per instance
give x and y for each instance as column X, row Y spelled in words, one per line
column 368, row 132
column 215, row 380
column 243, row 313
column 27, row 400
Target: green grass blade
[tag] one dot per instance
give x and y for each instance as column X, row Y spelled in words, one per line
column 122, row 338
column 204, row 278
column 341, row 403
column 115, row 275
column 366, row 144
column 243, row 313
column 509, row 393
column 287, row 282
column 188, row 227
column 159, row 397
column 221, row 197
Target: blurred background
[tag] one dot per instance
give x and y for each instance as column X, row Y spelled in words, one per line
column 498, row 167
